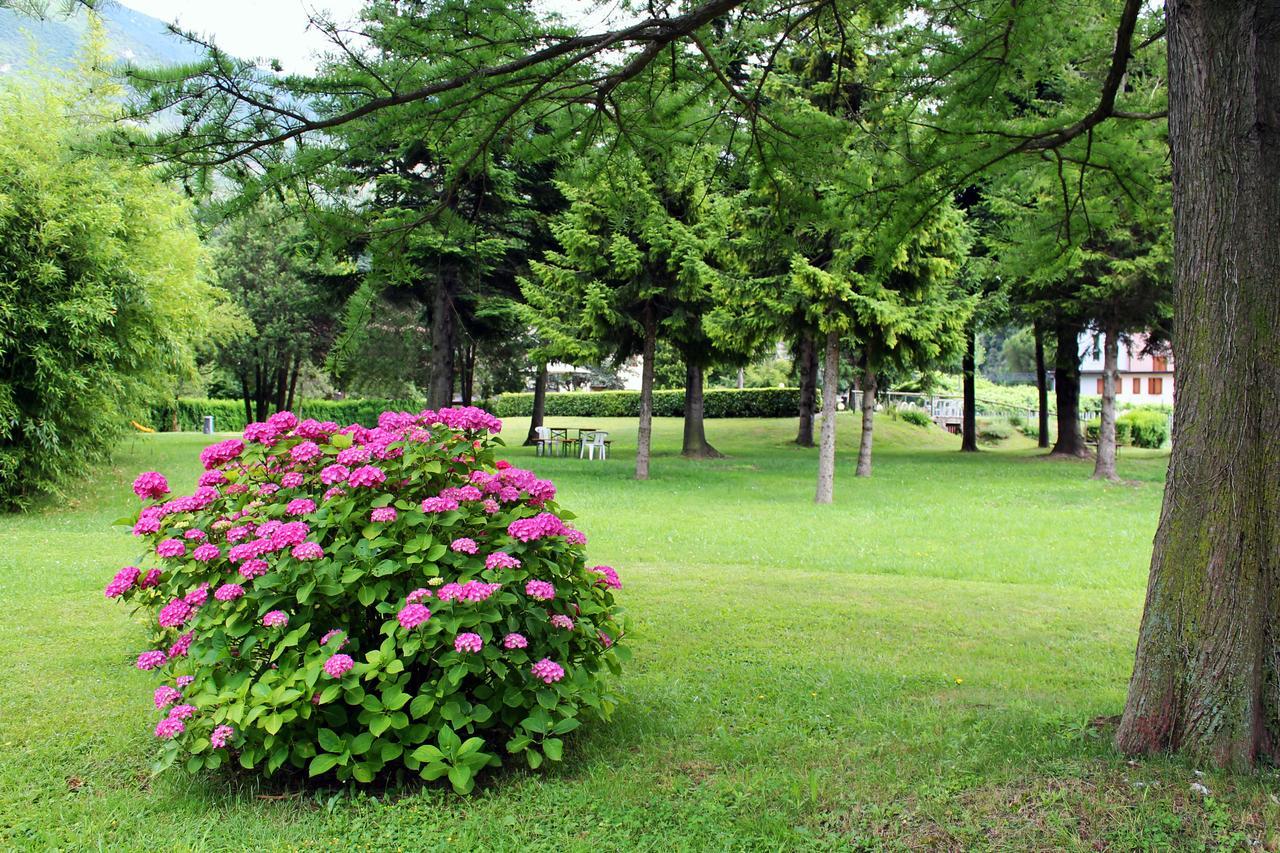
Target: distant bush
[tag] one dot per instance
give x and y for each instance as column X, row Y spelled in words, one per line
column 1147, row 428
column 994, row 431
column 1093, row 430
column 717, row 403
column 228, row 415
column 916, row 416
column 1016, row 421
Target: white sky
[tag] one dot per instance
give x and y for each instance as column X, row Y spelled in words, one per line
column 277, row 29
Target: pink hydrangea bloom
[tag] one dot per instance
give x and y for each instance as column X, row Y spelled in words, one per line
column 383, row 514
column 221, row 736
column 253, row 569
column 547, row 670
column 468, row 642
column 221, row 453
column 182, row 645
column 152, row 659
column 261, row 433
column 292, row 480
column 575, row 537
column 150, row 579
column 198, row 596
column 515, row 641
column 175, row 613
column 170, row 727
column 122, row 582
column 333, row 474
column 538, row 527
column 605, row 639
column 146, row 525
column 166, row 696
column 206, row 553
column 300, row 506
column 354, row 455
column 194, row 533
column 501, row 560
column 171, row 548
column 418, row 595
column 307, row 551
column 275, row 619
column 229, row 592
column 463, row 545
column 502, row 464
column 268, row 489
column 439, row 504
column 305, row 452
column 367, row 477
column 184, row 680
column 240, row 532
column 150, row 484
column 413, row 615
column 540, row 590
column 290, row 533
column 610, row 578
column 182, row 712
column 338, row 665
column 330, row 634
column 212, row 478
column 490, row 506
column 562, row 621
column 335, row 492
column 283, row 421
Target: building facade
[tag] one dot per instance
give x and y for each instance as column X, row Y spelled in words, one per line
column 1144, row 377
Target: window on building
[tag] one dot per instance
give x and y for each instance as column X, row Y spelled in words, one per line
column 1155, row 385
column 1137, row 385
column 1160, row 363
column 1101, row 382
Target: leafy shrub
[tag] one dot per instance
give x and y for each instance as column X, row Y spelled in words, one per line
column 916, row 416
column 1147, row 427
column 993, row 431
column 717, row 403
column 228, row 415
column 369, row 603
column 1093, row 430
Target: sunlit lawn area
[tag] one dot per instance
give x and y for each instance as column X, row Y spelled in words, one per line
column 918, row 665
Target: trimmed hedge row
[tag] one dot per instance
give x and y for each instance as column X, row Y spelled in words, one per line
column 1139, row 427
column 717, row 403
column 228, row 415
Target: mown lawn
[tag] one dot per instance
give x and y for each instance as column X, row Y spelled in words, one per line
column 928, row 663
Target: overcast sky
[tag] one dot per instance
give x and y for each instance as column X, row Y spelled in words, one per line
column 278, row 28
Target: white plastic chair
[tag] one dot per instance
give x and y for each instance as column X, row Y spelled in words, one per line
column 592, row 443
column 542, row 444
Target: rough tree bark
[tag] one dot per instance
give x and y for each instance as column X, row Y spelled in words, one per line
column 1042, row 388
column 293, row 381
column 868, row 421
column 695, row 434
column 539, row 404
column 827, row 445
column 1066, row 389
column 1206, row 679
column 467, row 375
column 808, row 360
column 444, row 332
column 969, row 422
column 645, row 433
column 248, row 397
column 1105, row 467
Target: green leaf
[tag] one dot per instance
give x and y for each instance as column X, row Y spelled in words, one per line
column 428, row 753
column 565, row 726
column 379, row 724
column 322, row 762
column 421, row 705
column 548, row 699
column 363, row 773
column 449, row 741
column 330, row 742
column 554, row 748
column 461, row 779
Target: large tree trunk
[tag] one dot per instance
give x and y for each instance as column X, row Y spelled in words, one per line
column 248, row 397
column 1206, row 681
column 468, row 377
column 644, row 434
column 1105, row 467
column 260, row 392
column 539, row 404
column 444, row 332
column 969, row 422
column 827, row 445
column 293, row 382
column 868, row 421
column 808, row 359
column 1042, row 388
column 1066, row 382
column 695, row 435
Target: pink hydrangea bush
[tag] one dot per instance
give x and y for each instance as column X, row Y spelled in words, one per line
column 368, row 603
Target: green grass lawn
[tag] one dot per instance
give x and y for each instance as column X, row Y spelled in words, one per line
column 926, row 663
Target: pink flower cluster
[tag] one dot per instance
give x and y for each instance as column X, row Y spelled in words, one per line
column 610, row 576
column 338, row 665
column 413, row 615
column 275, row 619
column 150, row 484
column 540, row 590
column 548, row 670
column 501, row 560
column 515, row 641
column 473, row 591
column 367, row 477
column 463, row 545
column 561, row 621
column 122, row 582
column 300, row 506
column 221, row 736
column 383, row 514
column 229, row 592
column 540, row 526
column 468, row 642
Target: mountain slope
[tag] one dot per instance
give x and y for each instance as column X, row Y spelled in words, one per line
column 54, row 44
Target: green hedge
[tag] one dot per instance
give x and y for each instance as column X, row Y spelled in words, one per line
column 718, row 403
column 228, row 415
column 1093, row 430
column 1139, row 427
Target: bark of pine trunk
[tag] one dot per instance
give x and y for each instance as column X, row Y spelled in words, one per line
column 282, row 383
column 1105, row 467
column 1206, row 679
column 695, row 435
column 827, row 445
column 644, row 434
column 1066, row 381
column 443, row 344
column 1042, row 389
column 808, row 358
column 293, row 382
column 969, row 423
column 742, row 378
column 539, row 404
column 247, row 396
column 868, row 421
column 468, row 373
